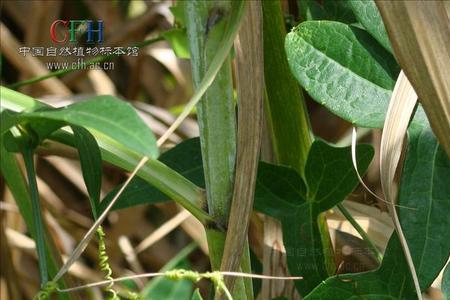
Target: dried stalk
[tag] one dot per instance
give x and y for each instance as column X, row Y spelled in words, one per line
column 420, row 35
column 250, row 79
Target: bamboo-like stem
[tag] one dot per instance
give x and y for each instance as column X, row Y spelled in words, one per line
column 206, row 21
column 285, row 106
column 250, row 86
column 290, row 134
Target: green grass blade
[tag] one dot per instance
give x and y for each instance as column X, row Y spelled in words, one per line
column 37, row 217
column 16, row 182
column 91, row 165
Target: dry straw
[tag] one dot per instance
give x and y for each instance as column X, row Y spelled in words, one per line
column 400, row 110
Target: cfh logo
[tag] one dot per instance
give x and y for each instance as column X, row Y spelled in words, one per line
column 77, row 26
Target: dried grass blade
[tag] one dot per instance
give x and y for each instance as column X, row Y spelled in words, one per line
column 400, row 110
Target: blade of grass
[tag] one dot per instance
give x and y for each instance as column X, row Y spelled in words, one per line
column 37, row 217
column 285, row 106
column 16, row 182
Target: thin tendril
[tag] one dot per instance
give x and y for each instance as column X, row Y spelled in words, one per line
column 104, row 264
column 355, row 166
column 216, row 277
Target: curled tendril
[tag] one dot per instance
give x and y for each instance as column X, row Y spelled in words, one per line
column 215, row 277
column 104, row 264
column 46, row 291
column 133, row 296
column 183, row 274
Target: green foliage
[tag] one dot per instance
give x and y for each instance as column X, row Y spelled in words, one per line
column 11, row 172
column 185, row 159
column 367, row 13
column 122, row 124
column 177, row 39
column 391, row 281
column 424, row 188
column 207, row 24
column 196, row 295
column 446, row 282
column 343, row 68
column 423, row 198
column 281, row 193
column 91, row 165
column 349, row 72
column 326, row 10
column 287, row 116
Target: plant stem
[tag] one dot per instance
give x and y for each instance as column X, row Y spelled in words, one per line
column 250, row 90
column 285, row 106
column 16, row 182
column 286, row 114
column 39, row 227
column 361, row 232
column 206, row 21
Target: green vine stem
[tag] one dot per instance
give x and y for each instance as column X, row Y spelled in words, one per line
column 361, row 232
column 104, row 264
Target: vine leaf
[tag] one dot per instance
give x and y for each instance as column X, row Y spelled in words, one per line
column 367, row 14
column 327, row 10
column 282, row 194
column 343, row 68
column 196, row 295
column 391, row 281
column 424, row 188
